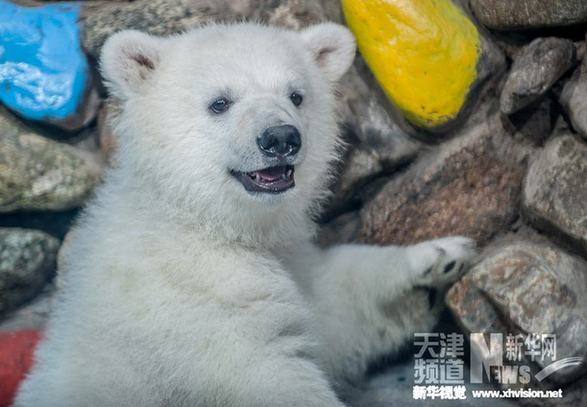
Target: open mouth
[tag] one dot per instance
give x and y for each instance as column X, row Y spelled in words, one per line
column 272, row 180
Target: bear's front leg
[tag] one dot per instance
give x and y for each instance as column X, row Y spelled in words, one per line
column 370, row 300
column 438, row 263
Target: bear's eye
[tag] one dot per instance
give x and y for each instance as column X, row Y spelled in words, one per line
column 296, row 98
column 220, row 105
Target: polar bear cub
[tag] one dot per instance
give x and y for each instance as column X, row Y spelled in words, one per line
column 192, row 279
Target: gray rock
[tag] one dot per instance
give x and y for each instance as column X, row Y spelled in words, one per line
column 363, row 165
column 27, row 261
column 158, row 17
column 99, row 20
column 292, row 14
column 469, row 186
column 524, row 14
column 367, row 112
column 38, row 173
column 33, row 315
column 535, row 69
column 527, row 287
column 378, row 144
column 574, row 99
column 536, row 122
column 555, row 190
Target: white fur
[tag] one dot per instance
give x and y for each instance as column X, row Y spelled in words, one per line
column 182, row 289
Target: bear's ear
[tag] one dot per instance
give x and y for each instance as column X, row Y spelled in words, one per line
column 128, row 59
column 333, row 47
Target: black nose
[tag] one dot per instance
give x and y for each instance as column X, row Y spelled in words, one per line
column 280, row 141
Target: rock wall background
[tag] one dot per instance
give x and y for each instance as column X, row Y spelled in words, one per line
column 510, row 169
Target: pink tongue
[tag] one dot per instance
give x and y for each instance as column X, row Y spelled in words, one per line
column 271, row 174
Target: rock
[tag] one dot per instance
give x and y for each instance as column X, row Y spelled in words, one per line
column 535, row 69
column 292, row 14
column 368, row 114
column 368, row 124
column 574, row 99
column 378, row 146
column 363, row 165
column 27, row 260
column 468, row 187
column 99, row 20
column 43, row 71
column 555, row 190
column 157, row 17
column 429, row 57
column 524, row 14
column 38, row 173
column 33, row 315
column 531, row 288
column 535, row 122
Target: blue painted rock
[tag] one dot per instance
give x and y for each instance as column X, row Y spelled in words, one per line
column 44, row 74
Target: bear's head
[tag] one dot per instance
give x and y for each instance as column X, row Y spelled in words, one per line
column 229, row 122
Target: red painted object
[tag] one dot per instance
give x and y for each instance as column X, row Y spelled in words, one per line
column 16, row 357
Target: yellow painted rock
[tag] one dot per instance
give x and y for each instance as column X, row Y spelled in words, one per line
column 424, row 53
